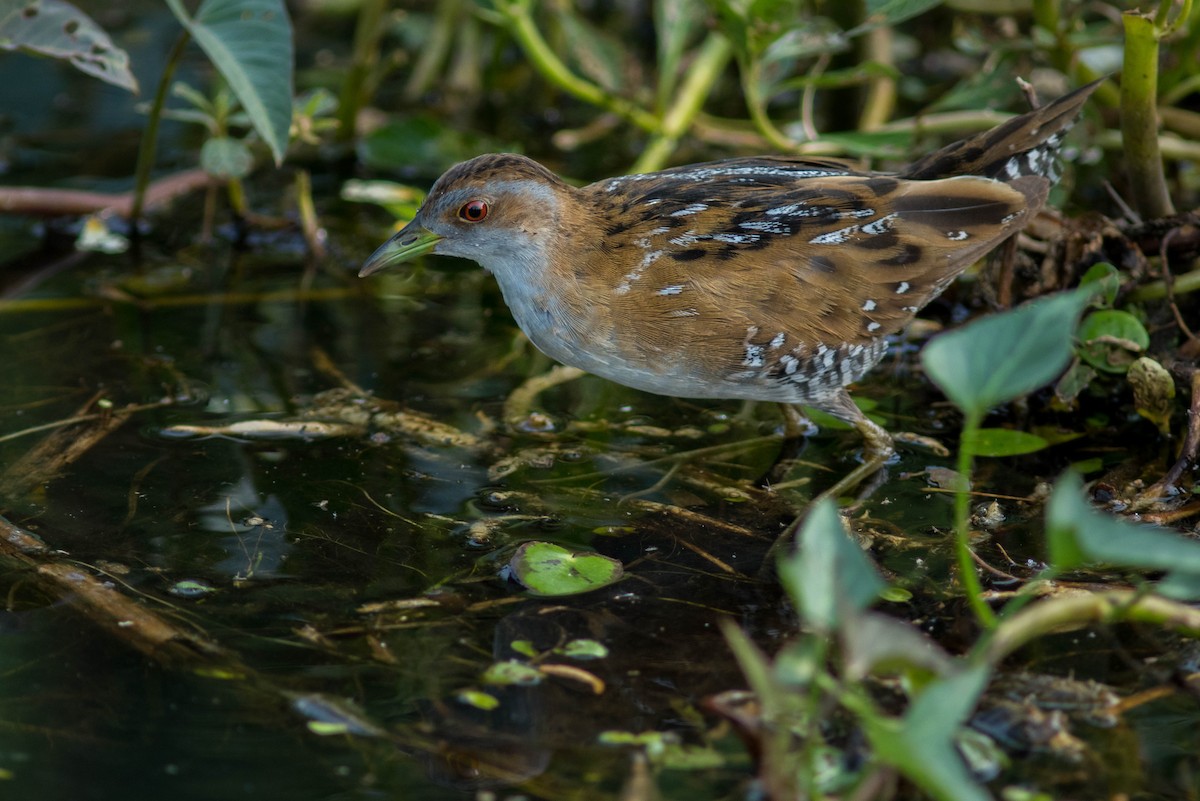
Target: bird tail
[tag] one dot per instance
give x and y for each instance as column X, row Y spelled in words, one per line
column 1025, row 146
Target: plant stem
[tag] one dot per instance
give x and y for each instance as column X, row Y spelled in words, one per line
column 149, row 143
column 702, row 76
column 516, row 15
column 1139, row 117
column 880, row 99
column 367, row 32
column 962, row 524
column 751, row 89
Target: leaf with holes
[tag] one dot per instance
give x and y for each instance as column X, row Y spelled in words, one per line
column 60, row 30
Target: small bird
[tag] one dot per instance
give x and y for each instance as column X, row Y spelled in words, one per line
column 767, row 278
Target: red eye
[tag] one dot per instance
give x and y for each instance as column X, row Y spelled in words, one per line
column 473, row 211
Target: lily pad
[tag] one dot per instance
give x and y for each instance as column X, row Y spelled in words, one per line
column 544, row 568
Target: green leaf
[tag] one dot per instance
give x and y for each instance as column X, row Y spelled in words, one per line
column 1002, row 442
column 1107, row 279
column 583, row 649
column 828, row 576
column 1077, row 534
column 592, row 51
column 921, row 744
column 250, row 44
column 891, row 12
column 512, row 673
column 548, row 569
column 478, row 699
column 224, row 158
column 876, row 644
column 674, row 23
column 60, row 30
column 1004, row 356
column 1112, row 340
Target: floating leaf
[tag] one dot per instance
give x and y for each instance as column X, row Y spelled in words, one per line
column 60, row 30
column 478, row 699
column 828, row 576
column 250, row 44
column 583, row 649
column 512, row 672
column 547, row 569
column 1112, row 340
column 1002, row 442
column 1007, row 355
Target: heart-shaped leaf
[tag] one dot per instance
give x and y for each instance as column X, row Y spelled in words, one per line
column 544, row 568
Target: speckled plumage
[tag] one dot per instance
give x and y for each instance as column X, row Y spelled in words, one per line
column 768, row 278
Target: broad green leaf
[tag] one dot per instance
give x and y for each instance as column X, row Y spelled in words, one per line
column 1077, row 534
column 828, row 576
column 998, row 358
column 1002, row 442
column 250, row 44
column 60, row 30
column 876, row 644
column 1112, row 340
column 921, row 744
column 548, row 569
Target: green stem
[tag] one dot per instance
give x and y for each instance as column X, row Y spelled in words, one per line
column 758, row 109
column 435, row 48
column 1139, row 118
column 702, row 76
column 1181, row 285
column 962, row 524
column 149, row 143
column 367, row 33
column 880, row 100
column 518, row 18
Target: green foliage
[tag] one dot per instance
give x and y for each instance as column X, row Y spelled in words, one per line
column 59, row 30
column 828, row 577
column 1004, row 356
column 1077, row 535
column 544, row 568
column 250, row 44
column 1110, row 340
